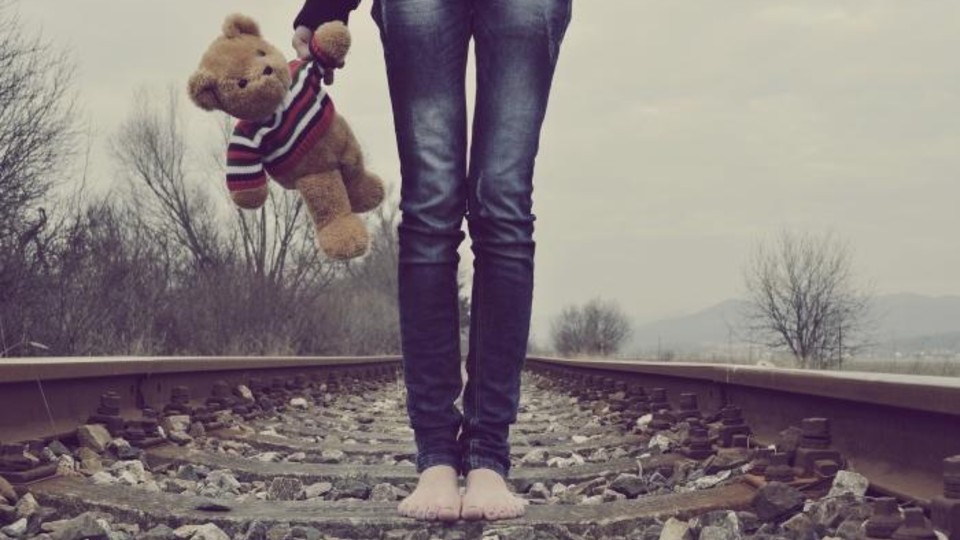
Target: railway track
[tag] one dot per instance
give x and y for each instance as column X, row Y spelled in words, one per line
column 320, row 448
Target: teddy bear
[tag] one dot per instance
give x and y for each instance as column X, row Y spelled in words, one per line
column 288, row 128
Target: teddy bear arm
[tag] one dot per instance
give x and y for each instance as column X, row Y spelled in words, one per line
column 330, row 44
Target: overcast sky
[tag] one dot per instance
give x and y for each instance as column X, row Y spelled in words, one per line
column 679, row 133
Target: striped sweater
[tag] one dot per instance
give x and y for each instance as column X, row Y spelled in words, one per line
column 276, row 144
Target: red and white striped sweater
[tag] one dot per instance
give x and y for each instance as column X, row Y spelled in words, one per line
column 277, row 143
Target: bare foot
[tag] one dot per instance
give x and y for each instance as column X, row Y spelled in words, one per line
column 487, row 497
column 437, row 496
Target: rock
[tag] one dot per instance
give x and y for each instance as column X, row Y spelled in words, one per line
column 298, row 457
column 278, row 532
column 789, row 440
column 850, row 530
column 749, row 522
column 47, row 456
column 151, row 486
column 332, row 455
column 89, row 460
column 243, row 391
column 16, row 529
column 830, row 512
column 256, row 531
column 7, row 491
column 188, row 472
column 579, row 439
column 284, row 489
column 587, row 486
column 516, row 532
column 176, row 422
column 94, row 436
column 674, row 529
column 600, row 455
column 630, row 485
column 58, row 448
column 299, row 403
column 538, row 491
column 268, row 457
column 353, row 488
column 27, row 506
column 776, row 500
column 197, row 430
column 219, row 483
column 661, row 442
column 179, row 437
column 725, row 519
column 712, row 532
column 8, row 513
column 558, row 489
column 726, row 460
column 208, row 531
column 651, row 532
column 610, row 495
column 86, row 526
column 66, row 465
column 130, row 473
column 306, row 533
column 537, row 458
column 317, row 490
column 103, row 478
column 705, row 482
column 383, row 493
column 800, row 527
column 160, row 532
column 849, row 482
column 561, row 462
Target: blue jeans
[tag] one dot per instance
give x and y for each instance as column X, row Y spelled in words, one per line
column 425, row 46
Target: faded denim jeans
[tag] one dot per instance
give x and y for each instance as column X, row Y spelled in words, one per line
column 425, row 46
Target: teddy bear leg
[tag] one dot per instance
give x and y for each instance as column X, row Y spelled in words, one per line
column 364, row 189
column 250, row 199
column 340, row 233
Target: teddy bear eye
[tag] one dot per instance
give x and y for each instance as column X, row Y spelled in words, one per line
column 261, row 53
column 242, row 83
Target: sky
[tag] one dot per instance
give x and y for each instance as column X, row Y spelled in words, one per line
column 679, row 133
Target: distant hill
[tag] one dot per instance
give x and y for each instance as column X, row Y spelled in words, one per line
column 710, row 326
column 905, row 322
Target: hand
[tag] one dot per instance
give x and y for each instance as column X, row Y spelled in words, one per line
column 301, row 43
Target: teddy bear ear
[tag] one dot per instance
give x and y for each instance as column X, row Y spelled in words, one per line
column 237, row 25
column 202, row 88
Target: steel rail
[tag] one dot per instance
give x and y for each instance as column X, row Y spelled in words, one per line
column 894, row 429
column 45, row 397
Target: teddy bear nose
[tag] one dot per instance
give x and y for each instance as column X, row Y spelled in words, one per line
column 268, row 70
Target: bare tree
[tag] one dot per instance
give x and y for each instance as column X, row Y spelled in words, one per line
column 37, row 122
column 37, row 140
column 151, row 148
column 803, row 297
column 597, row 328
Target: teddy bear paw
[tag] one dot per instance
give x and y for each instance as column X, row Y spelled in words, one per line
column 343, row 238
column 366, row 193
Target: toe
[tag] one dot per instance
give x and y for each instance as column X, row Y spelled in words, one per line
column 449, row 513
column 419, row 513
column 471, row 512
column 431, row 513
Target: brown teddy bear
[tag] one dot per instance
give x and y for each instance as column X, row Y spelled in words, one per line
column 288, row 127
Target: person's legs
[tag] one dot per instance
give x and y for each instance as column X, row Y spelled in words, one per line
column 517, row 44
column 425, row 45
